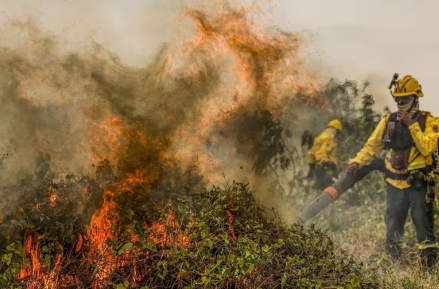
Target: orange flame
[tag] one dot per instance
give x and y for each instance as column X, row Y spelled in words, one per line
column 36, row 267
column 262, row 72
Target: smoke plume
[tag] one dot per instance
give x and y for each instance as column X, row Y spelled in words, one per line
column 223, row 99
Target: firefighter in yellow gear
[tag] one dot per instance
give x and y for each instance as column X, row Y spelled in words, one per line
column 408, row 139
column 322, row 155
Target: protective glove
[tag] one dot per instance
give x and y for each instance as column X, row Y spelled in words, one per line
column 352, row 169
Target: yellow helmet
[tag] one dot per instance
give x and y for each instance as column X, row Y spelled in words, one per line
column 335, row 124
column 407, row 86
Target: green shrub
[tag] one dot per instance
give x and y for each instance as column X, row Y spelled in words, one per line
column 220, row 238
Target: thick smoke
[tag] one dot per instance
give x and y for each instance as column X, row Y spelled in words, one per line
column 215, row 101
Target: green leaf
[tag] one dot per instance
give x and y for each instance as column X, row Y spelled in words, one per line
column 205, row 280
column 125, row 248
column 284, row 280
column 338, row 268
column 96, row 270
column 165, row 271
column 210, row 242
column 252, row 267
column 355, row 282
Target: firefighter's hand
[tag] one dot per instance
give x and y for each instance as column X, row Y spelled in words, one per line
column 352, row 169
column 405, row 117
column 354, row 165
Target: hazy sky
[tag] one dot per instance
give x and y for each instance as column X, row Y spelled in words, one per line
column 373, row 39
column 353, row 39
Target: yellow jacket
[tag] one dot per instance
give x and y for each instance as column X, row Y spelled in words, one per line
column 420, row 155
column 323, row 149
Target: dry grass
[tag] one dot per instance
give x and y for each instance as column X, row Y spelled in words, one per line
column 361, row 231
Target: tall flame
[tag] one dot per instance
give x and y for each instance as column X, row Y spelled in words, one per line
column 237, row 66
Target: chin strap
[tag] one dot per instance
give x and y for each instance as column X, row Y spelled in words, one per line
column 414, row 103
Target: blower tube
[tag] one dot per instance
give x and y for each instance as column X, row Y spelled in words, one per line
column 348, row 178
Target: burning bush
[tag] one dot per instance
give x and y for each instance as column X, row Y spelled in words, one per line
column 220, row 238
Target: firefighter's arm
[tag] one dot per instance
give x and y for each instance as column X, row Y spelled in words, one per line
column 426, row 142
column 373, row 146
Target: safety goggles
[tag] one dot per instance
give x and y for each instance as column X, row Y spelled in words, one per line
column 404, row 99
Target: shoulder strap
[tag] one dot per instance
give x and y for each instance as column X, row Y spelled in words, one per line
column 422, row 119
column 392, row 117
